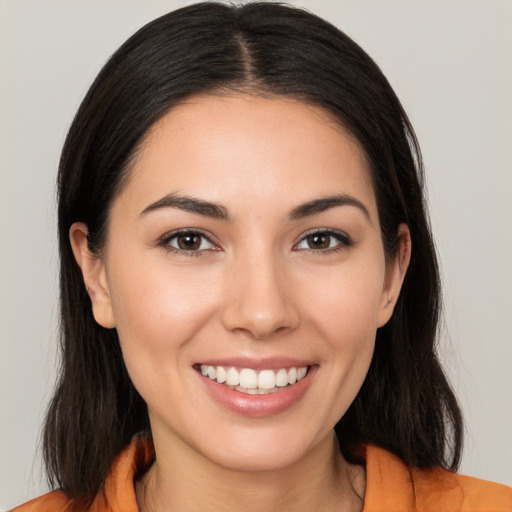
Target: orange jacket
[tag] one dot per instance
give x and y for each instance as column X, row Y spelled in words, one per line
column 391, row 486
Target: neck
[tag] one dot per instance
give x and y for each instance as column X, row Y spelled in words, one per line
column 321, row 480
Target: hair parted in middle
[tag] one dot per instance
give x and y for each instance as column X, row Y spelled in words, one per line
column 405, row 404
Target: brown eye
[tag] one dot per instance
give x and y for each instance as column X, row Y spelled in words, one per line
column 187, row 241
column 318, row 241
column 324, row 241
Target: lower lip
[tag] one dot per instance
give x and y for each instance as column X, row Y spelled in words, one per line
column 258, row 406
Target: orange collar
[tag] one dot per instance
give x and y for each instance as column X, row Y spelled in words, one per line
column 390, row 485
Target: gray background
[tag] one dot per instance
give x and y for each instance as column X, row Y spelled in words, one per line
column 450, row 63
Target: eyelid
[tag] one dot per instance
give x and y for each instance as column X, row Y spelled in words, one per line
column 345, row 241
column 343, row 238
column 164, row 241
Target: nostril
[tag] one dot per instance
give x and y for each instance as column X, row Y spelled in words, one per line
column 257, row 298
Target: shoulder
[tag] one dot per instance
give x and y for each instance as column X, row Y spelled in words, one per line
column 437, row 486
column 117, row 493
column 55, row 501
column 392, row 485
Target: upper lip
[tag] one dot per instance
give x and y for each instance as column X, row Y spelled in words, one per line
column 267, row 363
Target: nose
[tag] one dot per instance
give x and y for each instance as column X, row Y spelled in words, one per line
column 259, row 298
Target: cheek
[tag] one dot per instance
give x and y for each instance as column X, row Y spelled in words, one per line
column 149, row 296
column 345, row 301
column 344, row 309
column 157, row 311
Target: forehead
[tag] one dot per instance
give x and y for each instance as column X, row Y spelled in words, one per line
column 219, row 147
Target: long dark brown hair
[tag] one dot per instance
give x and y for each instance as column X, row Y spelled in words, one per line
column 405, row 404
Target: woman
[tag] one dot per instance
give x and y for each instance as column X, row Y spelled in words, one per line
column 249, row 288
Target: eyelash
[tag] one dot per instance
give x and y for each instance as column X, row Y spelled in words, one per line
column 344, row 242
column 166, row 240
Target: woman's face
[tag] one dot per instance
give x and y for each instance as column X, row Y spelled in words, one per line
column 245, row 245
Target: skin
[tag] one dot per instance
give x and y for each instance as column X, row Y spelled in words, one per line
column 258, row 289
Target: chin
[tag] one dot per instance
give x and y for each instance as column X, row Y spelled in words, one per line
column 263, row 449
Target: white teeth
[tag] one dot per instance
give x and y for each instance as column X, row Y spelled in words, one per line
column 221, row 374
column 255, row 391
column 232, row 377
column 212, row 372
column 266, row 379
column 282, row 378
column 250, row 381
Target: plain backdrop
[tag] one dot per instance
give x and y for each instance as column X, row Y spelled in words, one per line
column 449, row 62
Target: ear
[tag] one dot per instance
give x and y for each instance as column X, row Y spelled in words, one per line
column 94, row 274
column 395, row 273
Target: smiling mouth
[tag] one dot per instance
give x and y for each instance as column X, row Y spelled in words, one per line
column 254, row 382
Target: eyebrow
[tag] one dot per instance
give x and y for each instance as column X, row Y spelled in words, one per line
column 219, row 212
column 325, row 203
column 189, row 204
